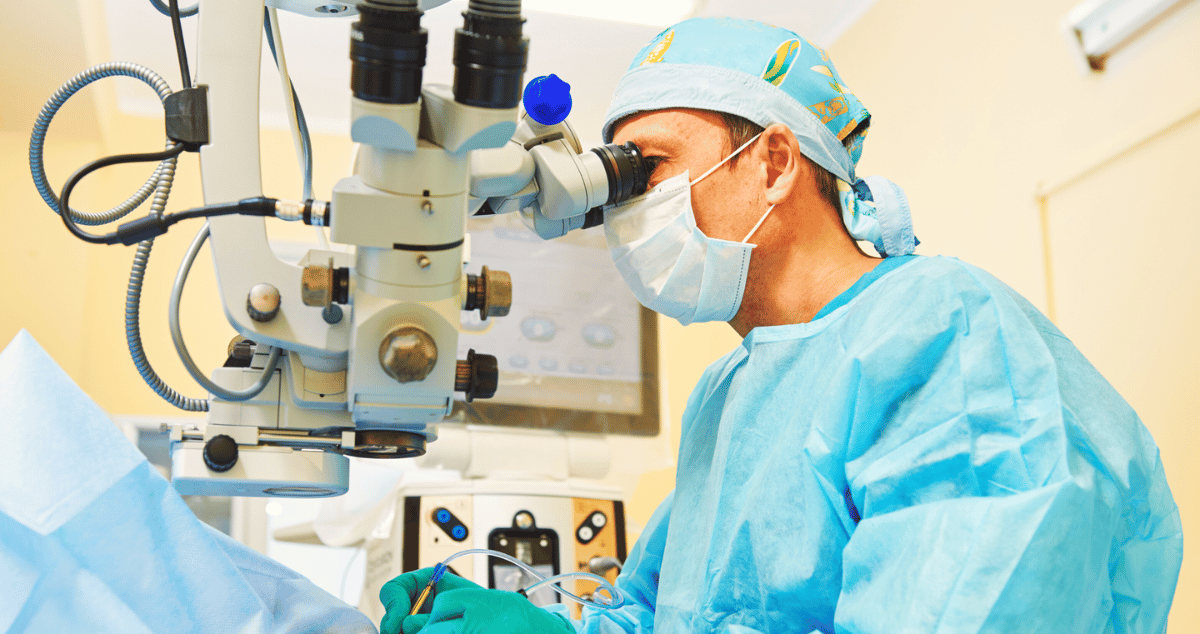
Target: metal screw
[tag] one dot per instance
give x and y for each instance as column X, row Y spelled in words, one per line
column 523, row 520
column 427, row 207
column 332, row 8
column 423, row 261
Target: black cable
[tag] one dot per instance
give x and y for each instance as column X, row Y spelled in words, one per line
column 151, row 226
column 186, row 13
column 177, row 26
column 64, row 197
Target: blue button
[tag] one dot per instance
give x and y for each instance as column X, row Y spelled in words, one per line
column 599, row 335
column 518, row 361
column 578, row 367
column 547, row 99
column 443, row 516
column 537, row 329
column 548, row 364
column 605, row 370
column 458, row 532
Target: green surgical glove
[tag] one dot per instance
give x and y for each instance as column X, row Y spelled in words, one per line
column 475, row 610
column 399, row 594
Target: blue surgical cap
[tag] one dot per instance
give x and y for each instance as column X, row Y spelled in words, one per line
column 769, row 75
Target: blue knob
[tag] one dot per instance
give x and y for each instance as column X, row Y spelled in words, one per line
column 443, row 516
column 547, row 99
column 458, row 532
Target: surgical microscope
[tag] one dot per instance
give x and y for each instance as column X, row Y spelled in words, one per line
column 352, row 352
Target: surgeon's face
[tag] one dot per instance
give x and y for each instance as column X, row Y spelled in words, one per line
column 729, row 201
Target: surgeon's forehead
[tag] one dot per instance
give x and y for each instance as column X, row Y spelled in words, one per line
column 668, row 130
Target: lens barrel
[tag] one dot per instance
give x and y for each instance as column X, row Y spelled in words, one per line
column 387, row 50
column 627, row 171
column 490, row 53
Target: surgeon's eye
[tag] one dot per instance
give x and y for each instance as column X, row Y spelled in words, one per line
column 652, row 162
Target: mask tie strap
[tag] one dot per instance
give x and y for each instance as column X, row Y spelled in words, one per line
column 760, row 221
column 724, row 160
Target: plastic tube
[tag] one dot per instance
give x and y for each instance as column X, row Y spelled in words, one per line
column 557, row 579
column 617, row 598
column 299, row 126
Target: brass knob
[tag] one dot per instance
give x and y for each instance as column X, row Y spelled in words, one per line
column 490, row 292
column 316, row 284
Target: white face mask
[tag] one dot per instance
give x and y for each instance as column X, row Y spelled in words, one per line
column 671, row 266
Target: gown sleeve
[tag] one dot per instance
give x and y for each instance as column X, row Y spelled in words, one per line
column 1002, row 484
column 638, row 582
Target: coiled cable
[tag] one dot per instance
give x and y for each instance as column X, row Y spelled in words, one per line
column 133, row 336
column 37, row 141
column 159, row 185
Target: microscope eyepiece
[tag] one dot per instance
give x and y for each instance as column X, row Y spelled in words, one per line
column 490, row 53
column 387, row 48
column 628, row 173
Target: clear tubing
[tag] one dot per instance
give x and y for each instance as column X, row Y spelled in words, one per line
column 300, row 134
column 617, row 598
column 289, row 98
column 181, row 348
column 556, row 579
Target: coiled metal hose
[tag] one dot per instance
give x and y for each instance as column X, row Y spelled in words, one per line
column 37, row 141
column 159, row 184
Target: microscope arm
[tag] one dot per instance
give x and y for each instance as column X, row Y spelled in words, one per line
column 229, row 50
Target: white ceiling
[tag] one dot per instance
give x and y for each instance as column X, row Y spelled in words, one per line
column 588, row 53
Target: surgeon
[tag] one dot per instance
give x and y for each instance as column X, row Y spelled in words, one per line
column 900, row 443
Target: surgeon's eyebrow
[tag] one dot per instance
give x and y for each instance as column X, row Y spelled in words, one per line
column 657, row 141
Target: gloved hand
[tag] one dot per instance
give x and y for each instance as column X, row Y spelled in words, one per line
column 462, row 607
column 399, row 594
column 480, row 611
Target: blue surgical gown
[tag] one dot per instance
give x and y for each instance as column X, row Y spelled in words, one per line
column 929, row 455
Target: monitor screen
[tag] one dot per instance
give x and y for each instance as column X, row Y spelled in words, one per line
column 576, row 352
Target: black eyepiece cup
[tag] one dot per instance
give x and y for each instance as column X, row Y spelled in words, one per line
column 627, row 171
column 490, row 54
column 387, row 50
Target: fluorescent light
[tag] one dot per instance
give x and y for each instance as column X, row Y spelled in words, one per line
column 1101, row 26
column 652, row 12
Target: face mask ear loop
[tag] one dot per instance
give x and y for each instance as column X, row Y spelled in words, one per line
column 724, row 160
column 760, row 221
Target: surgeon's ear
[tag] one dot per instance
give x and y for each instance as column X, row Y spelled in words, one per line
column 786, row 167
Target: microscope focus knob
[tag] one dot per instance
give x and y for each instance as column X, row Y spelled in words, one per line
column 478, row 376
column 408, row 354
column 220, row 453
